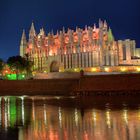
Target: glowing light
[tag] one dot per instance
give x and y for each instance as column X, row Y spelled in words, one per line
column 60, row 116
column 64, row 52
column 107, row 69
column 93, row 69
column 22, row 106
column 8, row 105
column 125, row 116
column 138, row 69
column 94, row 116
column 30, row 46
column 108, row 118
column 45, row 116
column 76, row 116
column 6, row 71
column 50, row 53
column 84, row 50
column 5, row 114
column 139, row 114
column 33, row 110
column 57, row 97
column 123, row 69
column 75, row 70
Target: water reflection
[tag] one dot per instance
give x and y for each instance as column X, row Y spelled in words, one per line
column 37, row 120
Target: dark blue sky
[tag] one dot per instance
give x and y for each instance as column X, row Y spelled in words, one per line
column 123, row 16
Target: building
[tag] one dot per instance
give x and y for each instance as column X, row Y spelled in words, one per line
column 93, row 48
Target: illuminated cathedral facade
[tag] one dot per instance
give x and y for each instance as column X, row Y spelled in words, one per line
column 89, row 48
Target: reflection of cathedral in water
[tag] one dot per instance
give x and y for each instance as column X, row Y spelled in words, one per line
column 39, row 121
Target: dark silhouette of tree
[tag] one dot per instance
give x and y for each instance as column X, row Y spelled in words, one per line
column 19, row 64
column 1, row 65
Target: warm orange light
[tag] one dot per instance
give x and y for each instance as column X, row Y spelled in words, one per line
column 75, row 69
column 75, row 38
column 6, row 71
column 123, row 69
column 50, row 53
column 66, row 40
column 30, row 46
column 65, row 52
column 138, row 69
column 74, row 51
column 84, row 49
column 93, row 69
column 107, row 69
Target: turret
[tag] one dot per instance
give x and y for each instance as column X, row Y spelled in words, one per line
column 100, row 24
column 105, row 24
column 94, row 28
column 23, row 44
column 52, row 33
column 86, row 28
column 42, row 32
column 63, row 30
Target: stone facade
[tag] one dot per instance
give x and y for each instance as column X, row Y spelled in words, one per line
column 82, row 48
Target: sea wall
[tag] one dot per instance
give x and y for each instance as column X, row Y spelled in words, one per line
column 38, row 87
column 116, row 82
column 96, row 83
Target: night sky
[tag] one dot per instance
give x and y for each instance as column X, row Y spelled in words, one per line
column 123, row 16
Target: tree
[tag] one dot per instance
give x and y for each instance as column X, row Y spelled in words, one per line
column 19, row 64
column 1, row 65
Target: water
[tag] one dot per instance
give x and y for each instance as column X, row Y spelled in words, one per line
column 69, row 118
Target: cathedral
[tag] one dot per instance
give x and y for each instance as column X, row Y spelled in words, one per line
column 92, row 48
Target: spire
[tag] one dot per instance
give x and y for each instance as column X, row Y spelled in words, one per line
column 76, row 29
column 94, row 27
column 23, row 38
column 57, row 32
column 23, row 44
column 100, row 23
column 85, row 27
column 63, row 30
column 32, row 32
column 52, row 32
column 105, row 24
